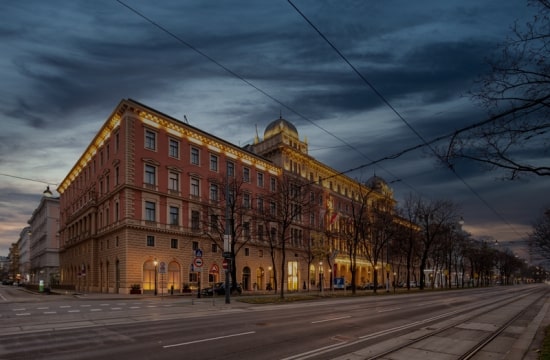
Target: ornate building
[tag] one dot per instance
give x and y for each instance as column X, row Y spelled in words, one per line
column 146, row 204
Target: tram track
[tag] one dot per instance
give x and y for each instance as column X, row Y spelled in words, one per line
column 462, row 332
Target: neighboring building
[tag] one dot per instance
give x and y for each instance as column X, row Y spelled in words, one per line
column 4, row 268
column 149, row 192
column 13, row 270
column 335, row 194
column 44, row 241
column 24, row 245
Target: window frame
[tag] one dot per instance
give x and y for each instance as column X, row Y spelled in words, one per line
column 150, row 139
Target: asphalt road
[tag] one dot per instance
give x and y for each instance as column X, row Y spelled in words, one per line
column 114, row 327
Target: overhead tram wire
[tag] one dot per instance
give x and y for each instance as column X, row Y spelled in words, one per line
column 247, row 82
column 394, row 110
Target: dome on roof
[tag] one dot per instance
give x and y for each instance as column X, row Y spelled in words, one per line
column 278, row 126
column 378, row 184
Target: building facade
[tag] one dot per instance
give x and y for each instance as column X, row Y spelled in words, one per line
column 24, row 245
column 145, row 206
column 43, row 235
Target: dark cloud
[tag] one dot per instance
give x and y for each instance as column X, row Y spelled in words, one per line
column 66, row 65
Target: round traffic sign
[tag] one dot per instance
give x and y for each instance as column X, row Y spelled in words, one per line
column 197, row 262
column 224, row 264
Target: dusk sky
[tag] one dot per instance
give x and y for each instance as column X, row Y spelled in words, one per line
column 232, row 66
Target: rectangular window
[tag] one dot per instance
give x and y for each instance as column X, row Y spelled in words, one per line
column 195, row 187
column 174, row 148
column 260, row 206
column 273, row 184
column 195, row 245
column 174, row 215
column 214, row 192
column 174, row 243
column 246, row 174
column 214, row 248
column 246, row 230
column 150, row 140
column 173, row 181
column 260, row 180
column 195, row 220
column 246, row 201
column 150, row 240
column 230, row 169
column 246, row 252
column 260, row 232
column 213, row 222
column 117, row 176
column 150, row 174
column 195, row 154
column 150, row 211
column 213, row 163
column 272, row 208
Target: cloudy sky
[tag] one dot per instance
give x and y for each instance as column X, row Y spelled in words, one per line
column 232, row 66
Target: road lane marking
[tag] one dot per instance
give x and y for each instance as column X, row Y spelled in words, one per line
column 96, row 310
column 386, row 310
column 116, row 308
column 134, row 307
column 3, row 298
column 19, row 309
column 331, row 319
column 50, row 312
column 209, row 339
column 85, row 305
column 23, row 314
column 65, row 306
column 43, row 308
column 73, row 311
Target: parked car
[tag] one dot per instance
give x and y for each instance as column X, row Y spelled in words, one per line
column 7, row 282
column 412, row 284
column 219, row 289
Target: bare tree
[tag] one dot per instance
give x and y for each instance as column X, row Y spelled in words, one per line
column 229, row 211
column 540, row 236
column 434, row 218
column 516, row 94
column 289, row 205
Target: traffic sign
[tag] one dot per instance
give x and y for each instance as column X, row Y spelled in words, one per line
column 198, row 253
column 162, row 267
column 197, row 262
column 225, row 264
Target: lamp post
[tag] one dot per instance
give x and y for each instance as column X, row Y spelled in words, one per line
column 321, row 276
column 156, row 263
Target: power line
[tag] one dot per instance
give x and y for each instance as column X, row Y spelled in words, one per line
column 394, row 110
column 247, row 82
column 28, row 179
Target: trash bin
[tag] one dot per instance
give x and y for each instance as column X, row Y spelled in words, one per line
column 41, row 286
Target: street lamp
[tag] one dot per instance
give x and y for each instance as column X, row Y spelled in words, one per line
column 321, row 276
column 156, row 263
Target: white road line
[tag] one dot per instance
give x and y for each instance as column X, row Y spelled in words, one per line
column 50, row 312
column 85, row 305
column 116, row 308
column 64, row 306
column 96, row 310
column 104, row 304
column 331, row 319
column 73, row 311
column 20, row 309
column 209, row 339
column 135, row 307
column 386, row 310
column 23, row 314
column 3, row 298
column 42, row 308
